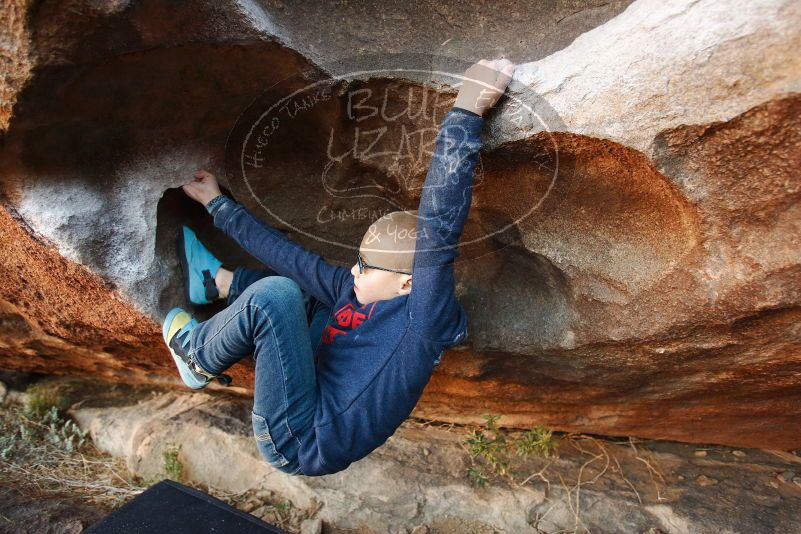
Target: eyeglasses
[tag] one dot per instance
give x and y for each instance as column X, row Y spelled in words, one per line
column 363, row 266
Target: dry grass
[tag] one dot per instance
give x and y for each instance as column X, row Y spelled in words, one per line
column 37, row 458
column 44, row 454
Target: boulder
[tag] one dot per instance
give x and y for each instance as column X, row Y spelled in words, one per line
column 631, row 262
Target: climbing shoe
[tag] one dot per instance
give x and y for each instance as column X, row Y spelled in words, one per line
column 177, row 326
column 199, row 267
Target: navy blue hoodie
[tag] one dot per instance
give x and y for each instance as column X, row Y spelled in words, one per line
column 376, row 359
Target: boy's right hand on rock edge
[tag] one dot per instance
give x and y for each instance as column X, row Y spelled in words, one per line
column 484, row 84
column 203, row 187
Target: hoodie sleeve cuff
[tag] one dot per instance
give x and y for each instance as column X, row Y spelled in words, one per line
column 472, row 122
column 462, row 110
column 215, row 204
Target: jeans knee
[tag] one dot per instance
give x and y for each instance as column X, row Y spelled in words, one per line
column 274, row 289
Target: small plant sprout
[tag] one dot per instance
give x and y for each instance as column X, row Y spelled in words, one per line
column 495, row 449
column 63, row 433
column 537, row 440
column 477, row 477
column 492, row 449
column 173, row 468
column 40, row 400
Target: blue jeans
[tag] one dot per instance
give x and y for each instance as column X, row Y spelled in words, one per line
column 270, row 317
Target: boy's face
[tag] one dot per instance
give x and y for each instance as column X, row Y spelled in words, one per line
column 374, row 284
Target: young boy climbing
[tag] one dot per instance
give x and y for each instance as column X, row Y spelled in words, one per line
column 342, row 355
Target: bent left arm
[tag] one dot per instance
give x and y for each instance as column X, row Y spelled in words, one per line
column 283, row 255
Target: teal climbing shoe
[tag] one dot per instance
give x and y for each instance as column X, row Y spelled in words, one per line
column 199, row 267
column 176, row 328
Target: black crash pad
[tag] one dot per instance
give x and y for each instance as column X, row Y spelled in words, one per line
column 170, row 507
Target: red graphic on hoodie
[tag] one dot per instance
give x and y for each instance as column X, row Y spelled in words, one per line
column 346, row 319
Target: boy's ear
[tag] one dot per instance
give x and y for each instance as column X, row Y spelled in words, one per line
column 406, row 287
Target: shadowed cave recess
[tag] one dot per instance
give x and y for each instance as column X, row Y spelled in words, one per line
column 611, row 288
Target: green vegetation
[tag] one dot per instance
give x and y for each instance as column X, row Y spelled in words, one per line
column 41, row 399
column 173, row 468
column 41, row 420
column 477, row 477
column 43, row 451
column 494, row 448
column 538, row 440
